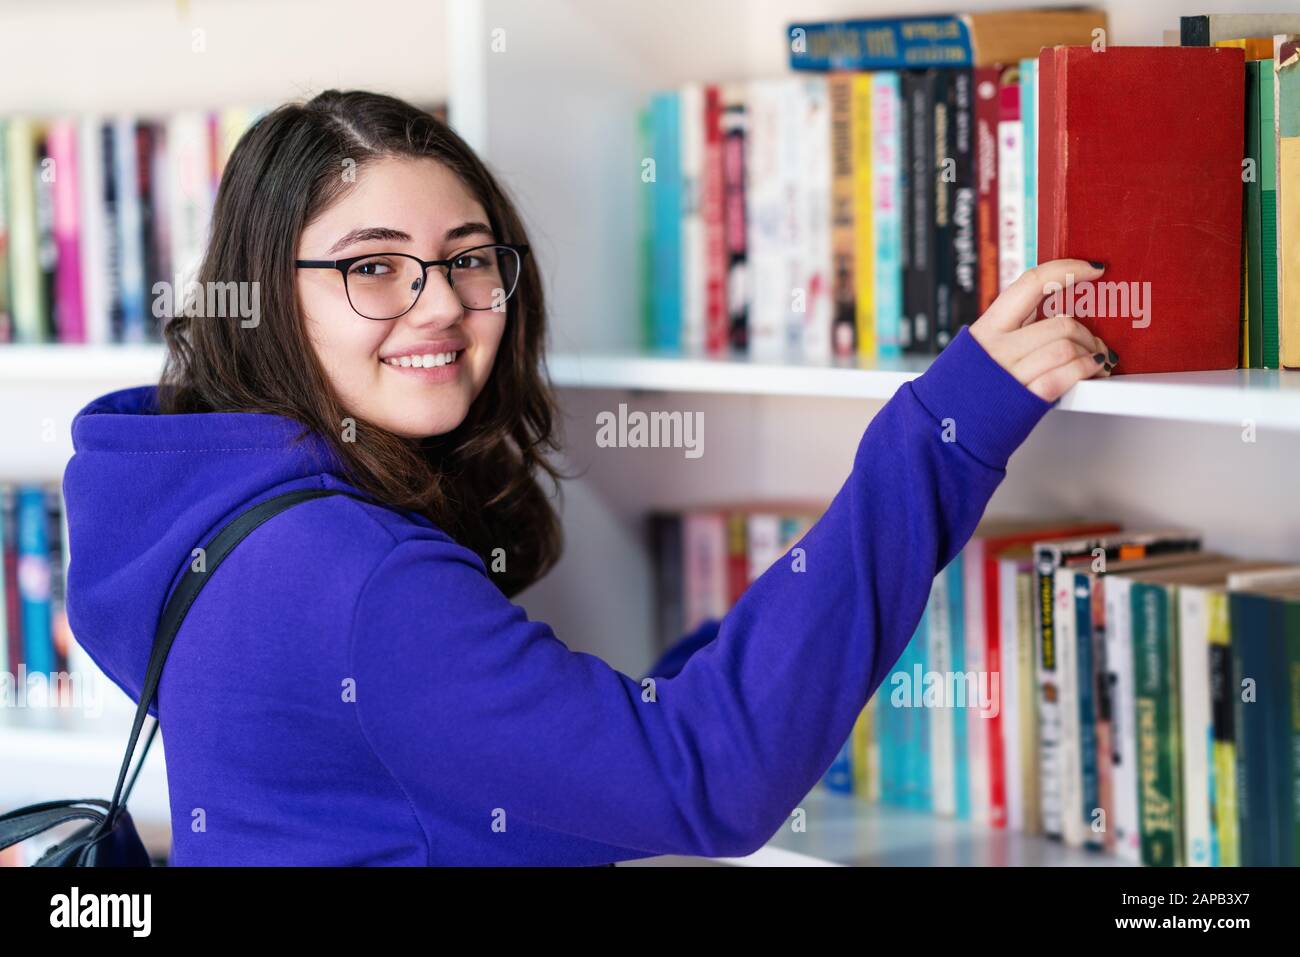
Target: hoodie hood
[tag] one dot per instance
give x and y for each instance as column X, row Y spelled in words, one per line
column 143, row 489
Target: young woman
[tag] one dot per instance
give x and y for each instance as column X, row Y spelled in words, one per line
column 355, row 686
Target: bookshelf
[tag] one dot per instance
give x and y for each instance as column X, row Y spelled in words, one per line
column 1153, row 449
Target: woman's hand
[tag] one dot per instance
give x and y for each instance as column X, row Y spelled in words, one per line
column 1048, row 356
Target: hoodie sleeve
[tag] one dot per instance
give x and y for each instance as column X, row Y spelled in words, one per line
column 465, row 699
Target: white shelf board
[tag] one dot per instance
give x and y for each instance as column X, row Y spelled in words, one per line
column 1269, row 399
column 846, row 831
column 1266, row 398
column 51, row 755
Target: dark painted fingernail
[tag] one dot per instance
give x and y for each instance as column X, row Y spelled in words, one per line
column 1099, row 358
column 1096, row 265
column 1114, row 357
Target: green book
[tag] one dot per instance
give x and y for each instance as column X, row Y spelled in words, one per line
column 1268, row 219
column 1155, row 684
column 1252, row 277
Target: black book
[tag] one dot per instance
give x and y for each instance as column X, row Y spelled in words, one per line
column 919, row 297
column 965, row 217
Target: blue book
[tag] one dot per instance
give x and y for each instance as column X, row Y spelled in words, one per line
column 961, row 736
column 666, row 254
column 839, row 776
column 1087, row 705
column 34, row 580
column 1029, row 136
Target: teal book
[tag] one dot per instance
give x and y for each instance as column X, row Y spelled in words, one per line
column 960, row 716
column 1261, row 704
column 1029, row 137
column 666, row 283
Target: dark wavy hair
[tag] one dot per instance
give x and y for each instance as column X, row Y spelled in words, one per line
column 479, row 482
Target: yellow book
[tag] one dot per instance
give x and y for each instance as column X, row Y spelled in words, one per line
column 1286, row 121
column 1256, row 48
column 864, row 240
column 866, row 755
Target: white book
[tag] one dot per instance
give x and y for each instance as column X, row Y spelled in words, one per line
column 943, row 776
column 189, row 196
column 1197, row 728
column 887, row 209
column 92, row 240
column 694, row 267
column 977, row 735
column 130, row 238
column 1123, row 718
column 794, row 213
column 1009, row 688
column 1071, row 767
column 1011, row 202
column 763, row 542
column 815, row 185
column 764, row 208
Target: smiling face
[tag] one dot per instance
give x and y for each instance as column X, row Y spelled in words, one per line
column 419, row 207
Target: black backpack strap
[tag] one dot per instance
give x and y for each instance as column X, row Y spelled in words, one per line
column 186, row 591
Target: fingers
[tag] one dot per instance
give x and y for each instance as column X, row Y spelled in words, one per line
column 1017, row 302
column 1053, row 355
column 1053, row 384
column 1056, row 329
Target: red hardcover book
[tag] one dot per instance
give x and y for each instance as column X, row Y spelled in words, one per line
column 717, row 321
column 1139, row 166
column 987, row 79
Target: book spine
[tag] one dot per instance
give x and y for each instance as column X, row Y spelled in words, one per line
column 986, row 182
column 943, row 181
column 1286, row 106
column 24, row 263
column 6, row 317
column 1291, row 744
column 1011, row 183
column 966, row 293
column 715, row 244
column 939, row 661
column 1252, row 314
column 149, row 215
column 93, row 252
column 1225, row 849
column 13, row 607
column 1195, row 730
column 995, row 726
column 885, row 44
column 734, row 121
column 1194, row 31
column 1092, row 822
column 70, row 320
column 1157, row 767
column 1071, row 771
column 813, row 240
column 130, row 231
column 919, row 278
column 34, row 576
column 765, row 243
column 1266, row 175
column 887, row 212
column 973, row 566
column 1007, row 698
column 1051, row 156
column 47, row 253
column 1046, row 668
column 954, row 577
column 1119, row 658
column 694, row 278
column 850, row 109
column 1032, row 812
column 1103, row 711
column 1029, row 139
column 666, row 535
column 666, row 289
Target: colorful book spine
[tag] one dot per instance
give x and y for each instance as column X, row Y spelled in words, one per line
column 691, row 217
column 766, row 238
column 954, row 579
column 666, row 290
column 24, row 264
column 1266, row 173
column 965, row 239
column 1029, row 136
column 735, row 216
column 987, row 115
column 886, row 213
column 853, row 228
column 1091, row 814
column 34, row 576
column 815, row 265
column 716, row 259
column 943, row 790
column 1225, row 847
column 69, row 318
column 1155, row 683
column 1011, row 182
column 1286, row 92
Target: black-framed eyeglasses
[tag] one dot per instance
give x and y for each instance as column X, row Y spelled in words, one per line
column 387, row 285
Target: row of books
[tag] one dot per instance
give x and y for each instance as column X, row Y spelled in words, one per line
column 864, row 208
column 1123, row 691
column 94, row 211
column 34, row 635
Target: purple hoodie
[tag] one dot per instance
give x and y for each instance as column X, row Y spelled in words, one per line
column 351, row 687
